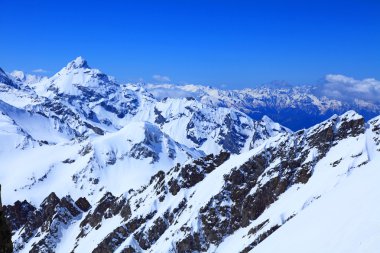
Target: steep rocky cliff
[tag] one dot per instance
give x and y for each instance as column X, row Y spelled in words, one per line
column 91, row 165
column 217, row 203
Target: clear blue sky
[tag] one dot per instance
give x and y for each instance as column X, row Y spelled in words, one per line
column 233, row 43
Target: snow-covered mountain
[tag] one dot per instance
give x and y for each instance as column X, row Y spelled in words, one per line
column 91, row 165
column 80, row 133
column 295, row 107
column 258, row 201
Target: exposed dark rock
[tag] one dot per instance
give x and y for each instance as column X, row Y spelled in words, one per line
column 159, row 185
column 68, row 203
column 376, row 130
column 6, row 245
column 159, row 118
column 112, row 241
column 96, row 130
column 140, row 151
column 118, row 236
column 125, row 212
column 191, row 129
column 83, row 204
column 322, row 137
column 174, row 186
column 219, row 220
column 233, row 140
column 260, row 238
column 193, row 173
column 247, row 191
column 65, row 212
column 128, row 249
column 159, row 227
column 49, row 220
column 86, row 150
column 19, row 213
column 68, row 160
column 350, row 127
column 191, row 243
column 257, row 228
column 147, row 238
column 49, row 204
column 101, row 211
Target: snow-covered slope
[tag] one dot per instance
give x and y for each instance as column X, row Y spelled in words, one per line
column 92, row 95
column 90, row 165
column 26, row 78
column 79, row 101
column 44, row 119
column 300, row 184
column 294, row 107
column 12, row 136
column 87, row 134
column 209, row 128
column 114, row 162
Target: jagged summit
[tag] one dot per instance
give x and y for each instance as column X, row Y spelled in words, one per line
column 351, row 115
column 79, row 62
column 3, row 76
column 77, row 79
column 195, row 171
column 2, row 72
column 295, row 107
column 5, row 79
column 18, row 74
column 28, row 79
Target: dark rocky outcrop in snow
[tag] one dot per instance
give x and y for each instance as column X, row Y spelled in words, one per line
column 45, row 222
column 163, row 210
column 214, row 170
column 5, row 232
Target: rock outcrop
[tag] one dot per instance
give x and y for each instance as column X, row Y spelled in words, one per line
column 194, row 207
column 5, row 232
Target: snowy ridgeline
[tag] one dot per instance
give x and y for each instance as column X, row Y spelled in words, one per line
column 88, row 165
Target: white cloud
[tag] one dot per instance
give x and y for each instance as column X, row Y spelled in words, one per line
column 39, row 71
column 348, row 88
column 160, row 78
column 172, row 92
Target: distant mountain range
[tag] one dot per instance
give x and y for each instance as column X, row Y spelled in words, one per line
column 295, row 107
column 91, row 165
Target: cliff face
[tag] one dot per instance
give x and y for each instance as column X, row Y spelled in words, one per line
column 225, row 203
column 5, row 232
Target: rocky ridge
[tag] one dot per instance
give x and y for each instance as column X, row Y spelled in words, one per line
column 197, row 206
column 177, row 174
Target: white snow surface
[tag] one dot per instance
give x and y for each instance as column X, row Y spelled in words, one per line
column 52, row 127
column 80, row 133
column 336, row 211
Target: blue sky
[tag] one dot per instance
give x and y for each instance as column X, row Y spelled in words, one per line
column 233, row 43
